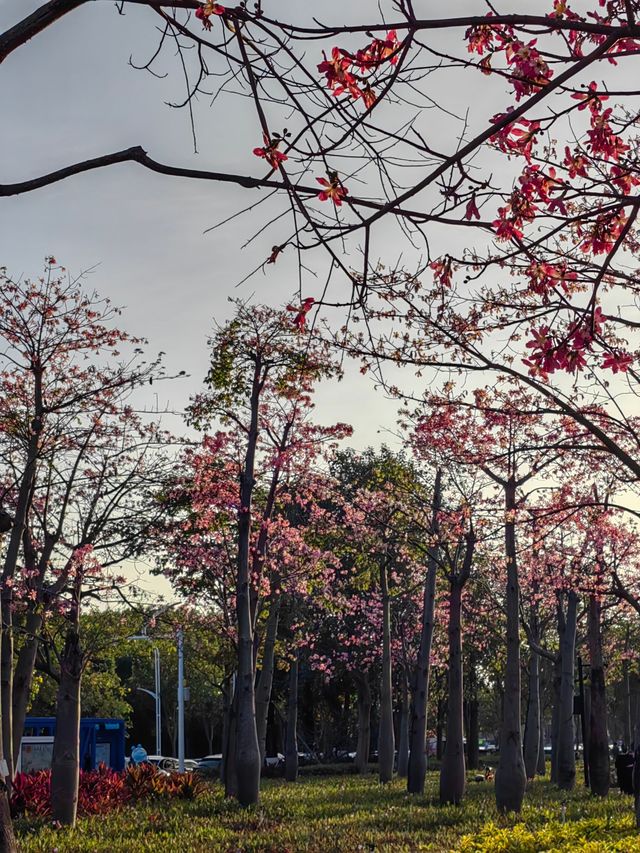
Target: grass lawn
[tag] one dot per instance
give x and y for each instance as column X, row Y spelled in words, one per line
column 347, row 814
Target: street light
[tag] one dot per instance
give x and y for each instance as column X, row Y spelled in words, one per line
column 180, row 643
column 154, row 694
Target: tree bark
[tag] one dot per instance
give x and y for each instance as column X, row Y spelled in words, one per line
column 364, row 724
column 555, row 715
column 265, row 682
column 452, row 771
column 420, row 685
column 541, row 769
column 532, row 726
column 6, row 677
column 65, row 764
column 386, row 738
column 440, row 723
column 599, row 768
column 7, row 839
column 23, row 676
column 403, row 739
column 473, row 732
column 23, row 503
column 291, row 737
column 566, row 769
column 247, row 751
column 230, row 774
column 511, row 778
column 227, row 705
column 636, row 768
column 628, row 733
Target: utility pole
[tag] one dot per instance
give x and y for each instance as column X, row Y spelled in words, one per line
column 156, row 669
column 155, row 695
column 180, row 700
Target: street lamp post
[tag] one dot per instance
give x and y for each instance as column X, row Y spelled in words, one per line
column 180, row 643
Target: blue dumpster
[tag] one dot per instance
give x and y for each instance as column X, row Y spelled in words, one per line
column 101, row 739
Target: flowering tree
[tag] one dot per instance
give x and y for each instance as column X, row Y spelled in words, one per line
column 74, row 457
column 555, row 156
column 262, row 374
column 495, row 435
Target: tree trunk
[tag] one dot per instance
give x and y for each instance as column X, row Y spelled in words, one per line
column 247, row 751
column 599, row 769
column 628, row 733
column 420, row 685
column 473, row 732
column 386, row 739
column 636, row 767
column 7, row 839
column 473, row 736
column 532, row 726
column 555, row 717
column 566, row 731
column 23, row 676
column 364, row 724
column 229, row 757
column 511, row 778
column 8, row 572
column 403, row 739
column 265, row 682
column 6, row 677
column 440, row 721
column 453, row 772
column 227, row 713
column 208, row 727
column 65, row 764
column 541, row 768
column 627, row 703
column 291, row 737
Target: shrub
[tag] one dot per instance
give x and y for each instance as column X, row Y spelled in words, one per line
column 600, row 835
column 31, row 794
column 139, row 780
column 103, row 790
column 181, row 786
column 100, row 790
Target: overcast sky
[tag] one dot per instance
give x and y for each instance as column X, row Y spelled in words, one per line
column 71, row 94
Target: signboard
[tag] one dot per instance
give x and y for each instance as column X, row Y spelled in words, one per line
column 103, row 754
column 35, row 754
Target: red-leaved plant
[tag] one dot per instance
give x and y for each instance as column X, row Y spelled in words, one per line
column 102, row 790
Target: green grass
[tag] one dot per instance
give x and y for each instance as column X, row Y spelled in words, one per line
column 348, row 814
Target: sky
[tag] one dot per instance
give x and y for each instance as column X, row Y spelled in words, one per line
column 71, row 94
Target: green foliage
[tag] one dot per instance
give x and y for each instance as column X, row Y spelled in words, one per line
column 349, row 813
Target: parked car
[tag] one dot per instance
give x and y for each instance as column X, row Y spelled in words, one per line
column 171, row 765
column 157, row 761
column 340, row 755
column 166, row 764
column 209, row 765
